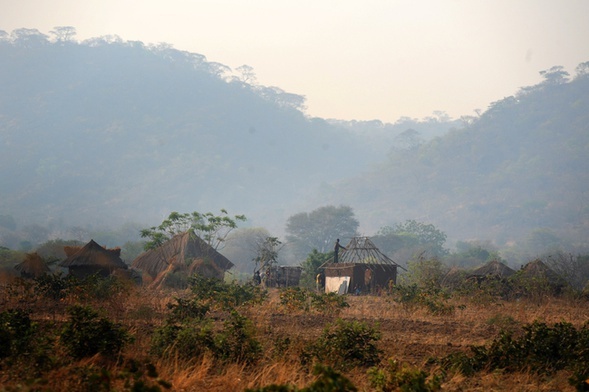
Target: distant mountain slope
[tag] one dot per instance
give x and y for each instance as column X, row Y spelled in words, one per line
column 522, row 165
column 107, row 131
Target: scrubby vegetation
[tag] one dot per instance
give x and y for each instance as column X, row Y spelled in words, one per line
column 58, row 333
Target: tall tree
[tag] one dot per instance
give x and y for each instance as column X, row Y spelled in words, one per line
column 319, row 229
column 415, row 236
column 212, row 228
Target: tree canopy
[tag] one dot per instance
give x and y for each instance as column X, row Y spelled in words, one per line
column 320, row 228
column 212, row 228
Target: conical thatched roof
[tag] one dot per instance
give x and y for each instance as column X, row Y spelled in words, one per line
column 94, row 255
column 360, row 250
column 453, row 277
column 33, row 266
column 185, row 251
column 493, row 268
column 537, row 269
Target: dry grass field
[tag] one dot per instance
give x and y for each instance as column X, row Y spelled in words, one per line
column 411, row 335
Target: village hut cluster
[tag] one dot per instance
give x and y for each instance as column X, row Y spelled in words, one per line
column 359, row 268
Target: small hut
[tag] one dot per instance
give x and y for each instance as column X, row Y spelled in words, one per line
column 92, row 259
column 282, row 276
column 493, row 269
column 185, row 253
column 361, row 267
column 33, row 266
column 538, row 276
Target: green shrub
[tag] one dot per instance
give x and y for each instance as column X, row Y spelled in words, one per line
column 504, row 322
column 344, row 345
column 22, row 342
column 402, row 377
column 193, row 337
column 329, row 303
column 328, row 380
column 54, row 286
column 294, row 298
column 102, row 288
column 225, row 295
column 137, row 377
column 187, row 308
column 435, row 300
column 189, row 340
column 86, row 334
column 541, row 349
column 237, row 342
column 16, row 333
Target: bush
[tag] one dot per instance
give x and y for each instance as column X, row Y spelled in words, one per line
column 16, row 333
column 225, row 295
column 433, row 299
column 402, row 377
column 187, row 308
column 192, row 337
column 329, row 303
column 137, row 377
column 541, row 349
column 86, row 334
column 237, row 342
column 328, row 381
column 188, row 341
column 295, row 298
column 344, row 345
column 22, row 341
column 54, row 286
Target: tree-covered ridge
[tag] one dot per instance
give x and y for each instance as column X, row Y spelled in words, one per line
column 107, row 131
column 517, row 168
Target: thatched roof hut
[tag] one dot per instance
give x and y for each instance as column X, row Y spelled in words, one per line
column 282, row 276
column 33, row 266
column 454, row 277
column 360, row 267
column 186, row 253
column 92, row 259
column 493, row 268
column 537, row 273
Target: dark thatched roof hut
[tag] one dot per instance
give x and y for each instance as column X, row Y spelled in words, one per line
column 92, row 259
column 33, row 266
column 185, row 253
column 537, row 277
column 493, row 268
column 360, row 267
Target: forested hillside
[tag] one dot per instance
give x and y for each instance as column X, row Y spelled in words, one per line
column 105, row 131
column 518, row 172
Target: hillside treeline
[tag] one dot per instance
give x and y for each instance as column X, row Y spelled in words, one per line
column 104, row 132
column 107, row 131
column 515, row 173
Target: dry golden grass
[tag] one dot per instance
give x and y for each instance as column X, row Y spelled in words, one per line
column 407, row 335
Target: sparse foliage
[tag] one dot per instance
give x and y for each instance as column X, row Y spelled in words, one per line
column 210, row 227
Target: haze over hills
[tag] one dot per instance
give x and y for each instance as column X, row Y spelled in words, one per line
column 519, row 168
column 106, row 131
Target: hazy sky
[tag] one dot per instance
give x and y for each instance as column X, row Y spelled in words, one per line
column 352, row 59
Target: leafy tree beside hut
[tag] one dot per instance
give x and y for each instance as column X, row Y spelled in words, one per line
column 185, row 244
